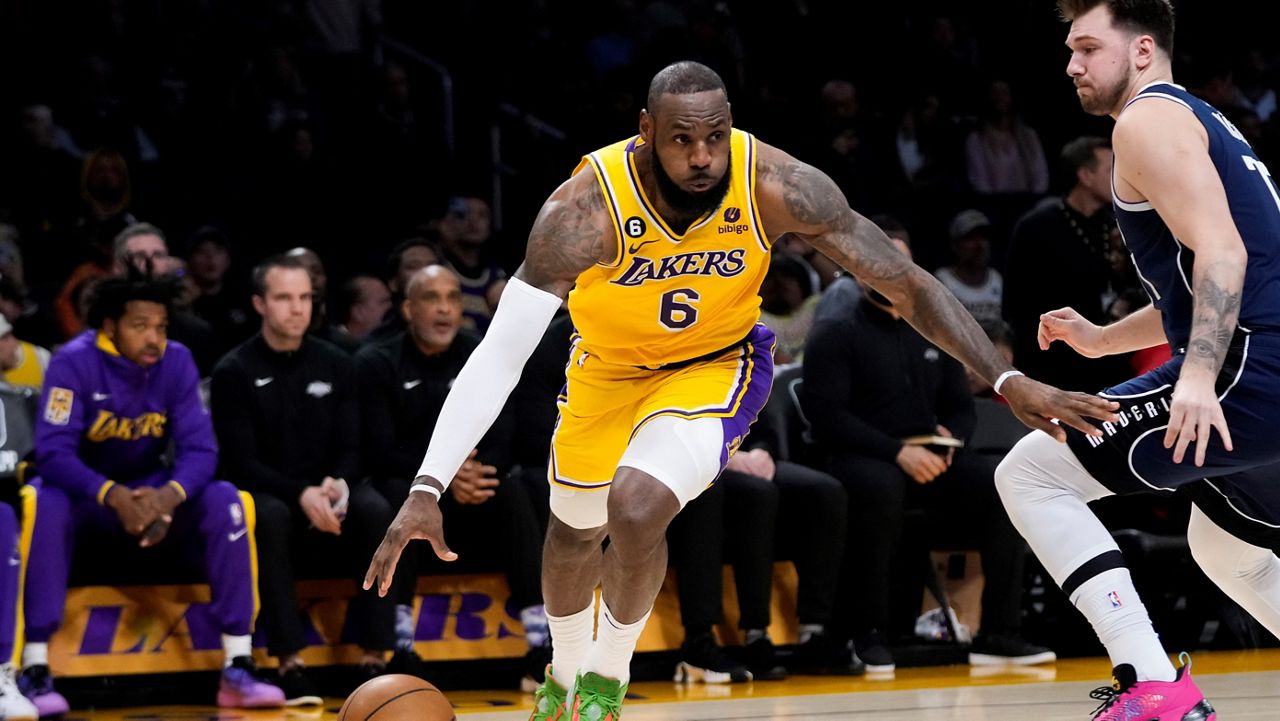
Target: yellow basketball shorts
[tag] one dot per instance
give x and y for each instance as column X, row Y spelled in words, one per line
column 679, row 425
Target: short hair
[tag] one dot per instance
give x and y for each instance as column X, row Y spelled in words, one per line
column 1081, row 153
column 1152, row 17
column 397, row 254
column 683, row 78
column 276, row 261
column 111, row 296
column 129, row 233
column 208, row 234
column 349, row 295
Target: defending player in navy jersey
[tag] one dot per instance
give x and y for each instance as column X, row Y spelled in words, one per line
column 1201, row 217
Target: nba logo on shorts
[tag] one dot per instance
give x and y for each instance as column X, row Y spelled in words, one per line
column 1115, row 599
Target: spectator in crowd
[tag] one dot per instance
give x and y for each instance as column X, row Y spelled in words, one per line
column 871, row 385
column 1059, row 257
column 38, row 184
column 972, row 280
column 287, row 416
column 787, row 304
column 219, row 301
column 116, row 398
column 142, row 248
column 13, row 705
column 407, row 258
column 320, row 325
column 106, row 193
column 1004, row 154
column 363, row 303
column 404, row 382
column 466, row 237
column 21, row 363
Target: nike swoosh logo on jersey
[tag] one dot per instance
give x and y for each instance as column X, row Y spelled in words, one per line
column 233, row 537
column 410, row 385
column 101, row 396
column 635, row 247
column 260, row 382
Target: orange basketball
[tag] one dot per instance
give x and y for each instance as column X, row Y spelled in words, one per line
column 396, row 697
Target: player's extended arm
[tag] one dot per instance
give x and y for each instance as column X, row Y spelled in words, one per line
column 572, row 232
column 1161, row 150
column 795, row 197
column 1140, row 329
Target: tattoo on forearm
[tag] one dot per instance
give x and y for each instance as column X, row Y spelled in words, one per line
column 1217, row 307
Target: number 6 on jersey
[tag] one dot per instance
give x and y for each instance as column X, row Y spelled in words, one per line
column 678, row 311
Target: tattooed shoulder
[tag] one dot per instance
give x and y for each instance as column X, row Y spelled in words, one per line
column 572, row 232
column 804, row 194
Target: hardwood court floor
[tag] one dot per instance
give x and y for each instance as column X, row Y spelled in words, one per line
column 1243, row 686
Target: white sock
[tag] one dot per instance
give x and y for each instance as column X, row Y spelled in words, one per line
column 809, row 630
column 570, row 643
column 234, row 647
column 35, row 654
column 610, row 655
column 1120, row 619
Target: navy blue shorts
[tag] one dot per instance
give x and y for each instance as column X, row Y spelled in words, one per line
column 1239, row 489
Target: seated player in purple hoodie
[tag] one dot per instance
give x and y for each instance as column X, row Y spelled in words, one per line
column 115, row 398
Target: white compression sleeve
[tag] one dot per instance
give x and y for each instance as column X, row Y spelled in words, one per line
column 488, row 377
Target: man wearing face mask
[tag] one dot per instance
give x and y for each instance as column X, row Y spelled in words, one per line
column 871, row 382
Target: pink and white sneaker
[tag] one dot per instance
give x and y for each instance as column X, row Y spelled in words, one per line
column 1129, row 699
column 241, row 687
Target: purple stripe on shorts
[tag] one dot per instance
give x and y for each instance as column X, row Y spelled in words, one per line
column 758, row 377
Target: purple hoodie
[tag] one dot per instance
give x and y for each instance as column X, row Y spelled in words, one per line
column 107, row 420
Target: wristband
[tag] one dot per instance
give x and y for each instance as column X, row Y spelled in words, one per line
column 425, row 488
column 1004, row 377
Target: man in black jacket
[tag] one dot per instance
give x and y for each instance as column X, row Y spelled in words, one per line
column 403, row 384
column 871, row 381
column 286, row 413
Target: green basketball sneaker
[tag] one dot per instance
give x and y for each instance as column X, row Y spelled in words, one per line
column 549, row 700
column 597, row 698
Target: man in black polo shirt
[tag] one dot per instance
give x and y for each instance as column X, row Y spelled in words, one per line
column 286, row 413
column 403, row 384
column 871, row 381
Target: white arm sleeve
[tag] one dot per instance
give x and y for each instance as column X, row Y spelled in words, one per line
column 488, row 377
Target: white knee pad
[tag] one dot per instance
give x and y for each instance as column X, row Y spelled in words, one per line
column 683, row 454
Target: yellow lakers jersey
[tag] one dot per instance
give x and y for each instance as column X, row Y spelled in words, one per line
column 671, row 297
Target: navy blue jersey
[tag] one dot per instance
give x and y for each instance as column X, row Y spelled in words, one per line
column 1165, row 264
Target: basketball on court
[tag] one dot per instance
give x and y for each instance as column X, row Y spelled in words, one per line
column 396, row 697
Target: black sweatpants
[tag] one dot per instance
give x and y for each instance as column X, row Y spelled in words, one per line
column 964, row 511
column 289, row 548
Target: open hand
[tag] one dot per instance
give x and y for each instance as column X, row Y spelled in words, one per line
column 419, row 518
column 1036, row 404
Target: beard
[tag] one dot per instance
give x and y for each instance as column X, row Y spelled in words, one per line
column 684, row 202
column 1107, row 100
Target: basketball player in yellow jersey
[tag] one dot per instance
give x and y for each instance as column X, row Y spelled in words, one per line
column 660, row 243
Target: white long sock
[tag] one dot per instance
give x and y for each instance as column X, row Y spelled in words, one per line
column 610, row 655
column 1045, row 489
column 35, row 654
column 235, row 646
column 570, row 643
column 1120, row 619
column 1249, row 574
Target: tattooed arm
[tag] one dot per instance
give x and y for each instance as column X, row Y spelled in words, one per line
column 572, row 232
column 1162, row 155
column 797, row 198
